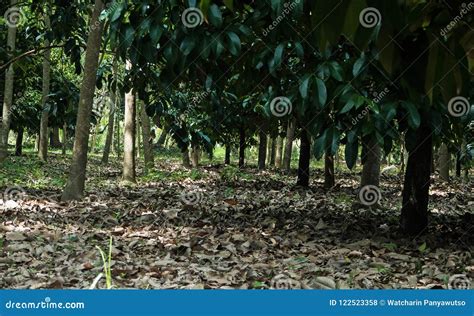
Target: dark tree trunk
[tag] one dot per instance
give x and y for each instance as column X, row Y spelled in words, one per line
column 458, row 164
column 242, row 148
column 227, row 154
column 64, row 138
column 55, row 142
column 290, row 134
column 414, row 217
column 19, row 142
column 262, row 149
column 304, row 160
column 329, row 180
column 371, row 163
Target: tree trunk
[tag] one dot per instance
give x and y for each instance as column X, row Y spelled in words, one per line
column 195, row 153
column 64, row 138
column 304, row 159
column 147, row 140
column 290, row 134
column 19, row 142
column 371, row 163
column 458, row 163
column 262, row 149
column 37, row 140
column 129, row 135
column 279, row 152
column 112, row 107
column 118, row 150
column 329, row 180
column 242, row 148
column 8, row 93
column 55, row 142
column 272, row 151
column 74, row 189
column 414, row 216
column 186, row 161
column 443, row 162
column 43, row 143
column 227, row 154
column 164, row 133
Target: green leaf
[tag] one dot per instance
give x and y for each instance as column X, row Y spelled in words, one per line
column 322, row 92
column 351, row 152
column 187, row 45
column 299, row 50
column 215, row 15
column 319, row 147
column 278, row 56
column 349, row 105
column 235, row 44
column 229, row 4
column 358, row 66
column 336, row 70
column 304, row 87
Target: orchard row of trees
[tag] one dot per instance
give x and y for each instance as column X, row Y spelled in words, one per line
column 372, row 77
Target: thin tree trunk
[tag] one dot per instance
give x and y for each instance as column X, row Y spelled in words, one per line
column 371, row 163
column 242, row 148
column 227, row 154
column 279, row 152
column 117, row 137
column 272, row 151
column 55, row 142
column 8, row 93
column 186, row 161
column 43, row 143
column 443, row 162
column 290, row 134
column 64, row 138
column 329, row 180
column 195, row 156
column 304, row 159
column 19, row 142
column 163, row 135
column 129, row 136
column 262, row 149
column 37, row 140
column 74, row 189
column 147, row 140
column 414, row 214
column 458, row 163
column 112, row 107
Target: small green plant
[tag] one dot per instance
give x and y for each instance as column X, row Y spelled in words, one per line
column 106, row 263
column 196, row 174
column 230, row 173
column 390, row 246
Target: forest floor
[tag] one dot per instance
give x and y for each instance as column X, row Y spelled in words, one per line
column 218, row 227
